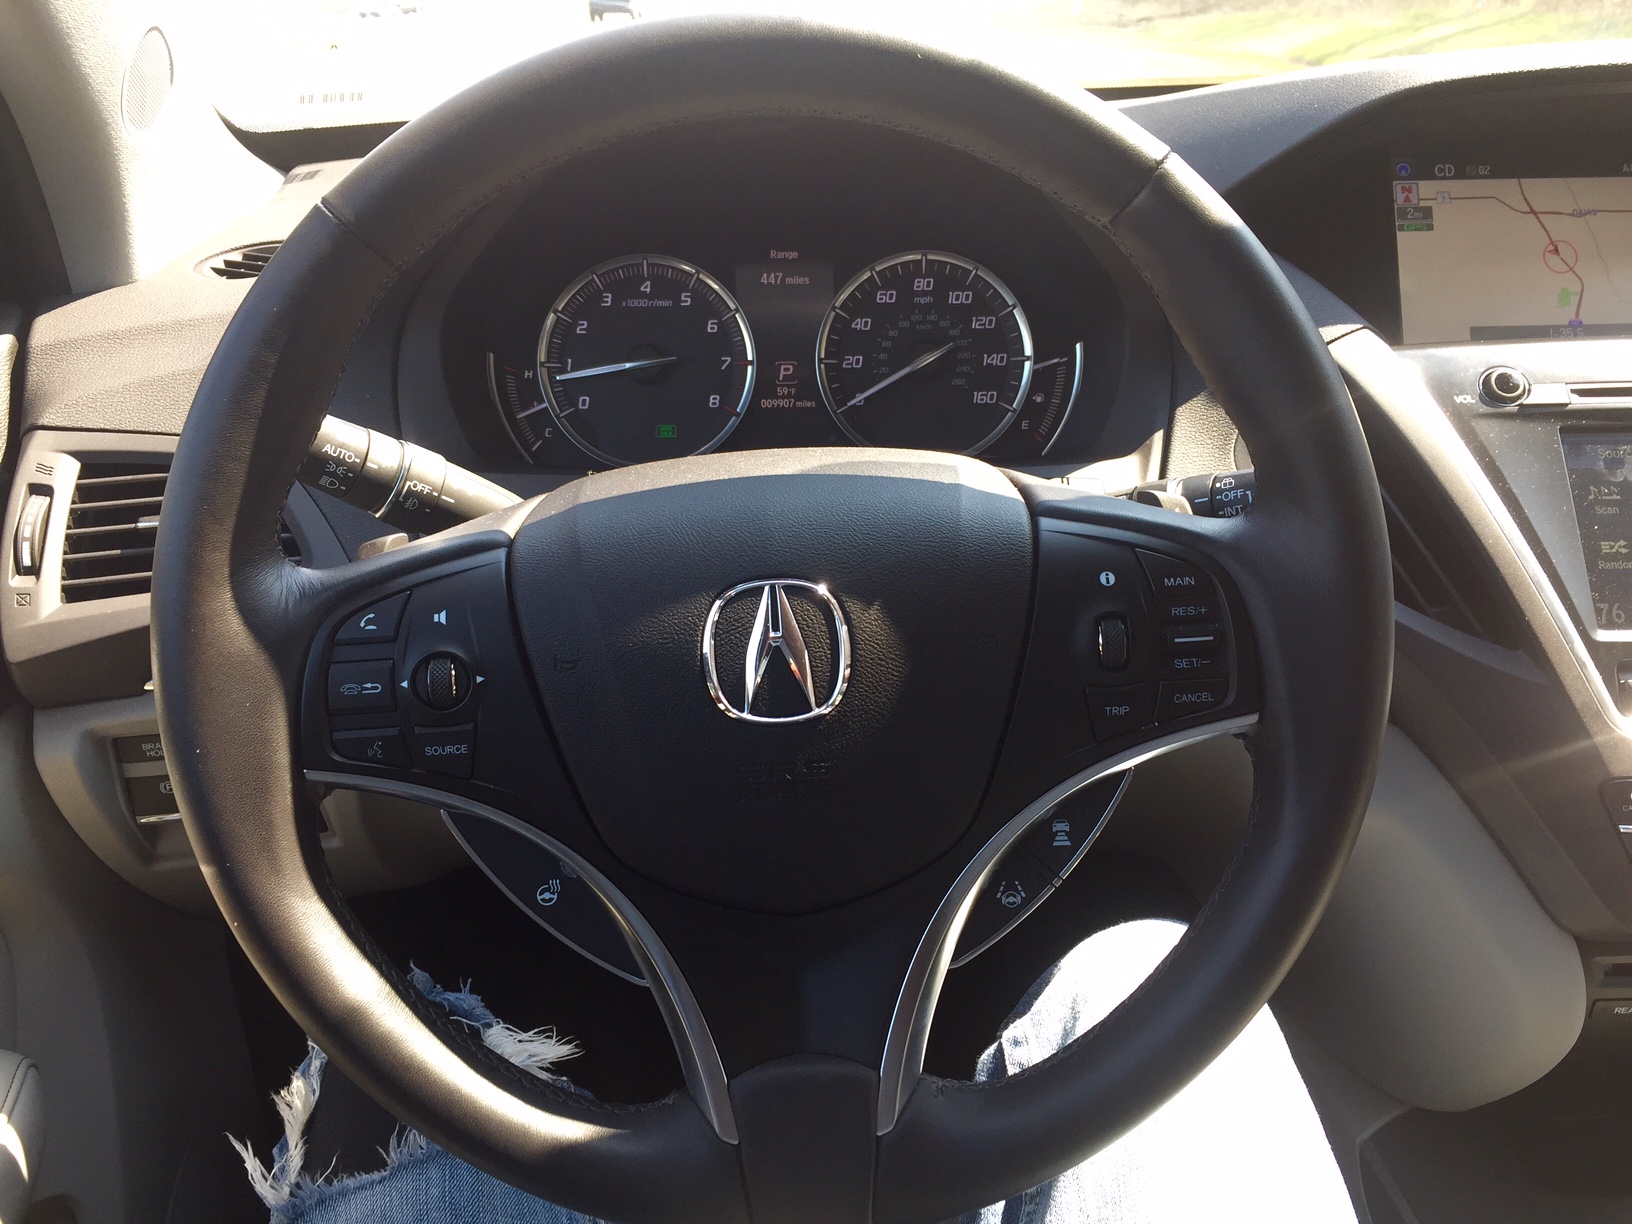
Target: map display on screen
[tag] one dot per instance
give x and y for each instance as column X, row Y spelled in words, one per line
column 1513, row 258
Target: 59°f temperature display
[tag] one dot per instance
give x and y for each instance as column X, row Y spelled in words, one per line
column 925, row 349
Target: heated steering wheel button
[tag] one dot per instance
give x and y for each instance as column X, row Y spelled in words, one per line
column 1171, row 577
column 1117, row 711
column 379, row 747
column 356, row 688
column 449, row 751
column 1179, row 698
column 375, row 623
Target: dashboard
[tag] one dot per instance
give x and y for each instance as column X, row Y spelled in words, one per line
column 772, row 285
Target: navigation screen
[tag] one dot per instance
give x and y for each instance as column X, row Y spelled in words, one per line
column 1490, row 258
column 1598, row 466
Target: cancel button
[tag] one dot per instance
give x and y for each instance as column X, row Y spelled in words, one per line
column 445, row 750
column 1177, row 698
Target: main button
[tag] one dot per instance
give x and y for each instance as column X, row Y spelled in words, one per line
column 1172, row 577
column 356, row 688
column 375, row 623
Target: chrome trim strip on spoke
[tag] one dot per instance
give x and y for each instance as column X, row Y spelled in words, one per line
column 908, row 1035
column 699, row 1058
column 453, row 827
column 1031, row 906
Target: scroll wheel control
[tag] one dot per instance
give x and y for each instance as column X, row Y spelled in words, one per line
column 1113, row 642
column 442, row 681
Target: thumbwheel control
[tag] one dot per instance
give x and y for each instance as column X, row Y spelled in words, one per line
column 443, row 681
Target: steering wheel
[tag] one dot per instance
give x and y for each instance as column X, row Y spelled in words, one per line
column 786, row 713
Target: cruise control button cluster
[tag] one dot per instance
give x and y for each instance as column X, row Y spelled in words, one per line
column 1158, row 646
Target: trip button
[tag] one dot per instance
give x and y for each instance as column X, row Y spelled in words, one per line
column 356, row 688
column 375, row 623
column 1116, row 711
column 1177, row 698
column 379, row 747
column 1172, row 577
column 449, row 751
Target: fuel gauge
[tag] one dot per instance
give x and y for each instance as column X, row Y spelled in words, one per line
column 1055, row 382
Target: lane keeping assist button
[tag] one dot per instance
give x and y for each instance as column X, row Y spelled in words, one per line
column 449, row 751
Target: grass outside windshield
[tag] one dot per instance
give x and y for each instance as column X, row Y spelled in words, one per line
column 323, row 63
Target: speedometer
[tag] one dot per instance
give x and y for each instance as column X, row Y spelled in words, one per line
column 646, row 357
column 927, row 350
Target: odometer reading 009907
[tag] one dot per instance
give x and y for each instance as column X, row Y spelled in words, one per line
column 646, row 357
column 926, row 350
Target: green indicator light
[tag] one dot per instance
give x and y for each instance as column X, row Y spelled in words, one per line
column 667, row 431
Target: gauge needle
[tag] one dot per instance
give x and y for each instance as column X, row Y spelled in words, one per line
column 617, row 367
column 902, row 373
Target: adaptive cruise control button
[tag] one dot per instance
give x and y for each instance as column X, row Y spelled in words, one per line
column 1177, row 698
column 383, row 746
column 375, row 623
column 449, row 751
column 1116, row 711
column 356, row 688
column 1172, row 577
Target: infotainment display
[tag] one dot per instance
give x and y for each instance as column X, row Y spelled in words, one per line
column 1484, row 256
column 1598, row 464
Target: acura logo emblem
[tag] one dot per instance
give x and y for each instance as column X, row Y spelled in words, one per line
column 777, row 640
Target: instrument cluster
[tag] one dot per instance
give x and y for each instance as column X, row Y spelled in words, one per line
column 739, row 293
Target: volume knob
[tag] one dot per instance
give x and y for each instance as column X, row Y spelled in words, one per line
column 443, row 681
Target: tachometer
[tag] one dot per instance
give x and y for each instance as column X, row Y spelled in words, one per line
column 646, row 357
column 925, row 349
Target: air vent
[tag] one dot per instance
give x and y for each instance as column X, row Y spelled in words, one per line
column 243, row 264
column 112, row 523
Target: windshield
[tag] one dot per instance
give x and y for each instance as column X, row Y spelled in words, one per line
column 324, row 63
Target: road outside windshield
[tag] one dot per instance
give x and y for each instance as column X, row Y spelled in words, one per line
column 321, row 63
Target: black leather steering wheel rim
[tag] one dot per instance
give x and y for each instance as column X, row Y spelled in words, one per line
column 232, row 621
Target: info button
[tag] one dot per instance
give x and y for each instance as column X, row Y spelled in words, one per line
column 445, row 750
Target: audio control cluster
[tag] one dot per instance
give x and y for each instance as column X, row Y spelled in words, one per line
column 403, row 681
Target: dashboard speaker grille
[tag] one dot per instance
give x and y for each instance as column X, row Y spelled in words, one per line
column 244, row 263
column 112, row 523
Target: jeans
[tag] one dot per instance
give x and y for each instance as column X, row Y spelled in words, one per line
column 1241, row 1142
